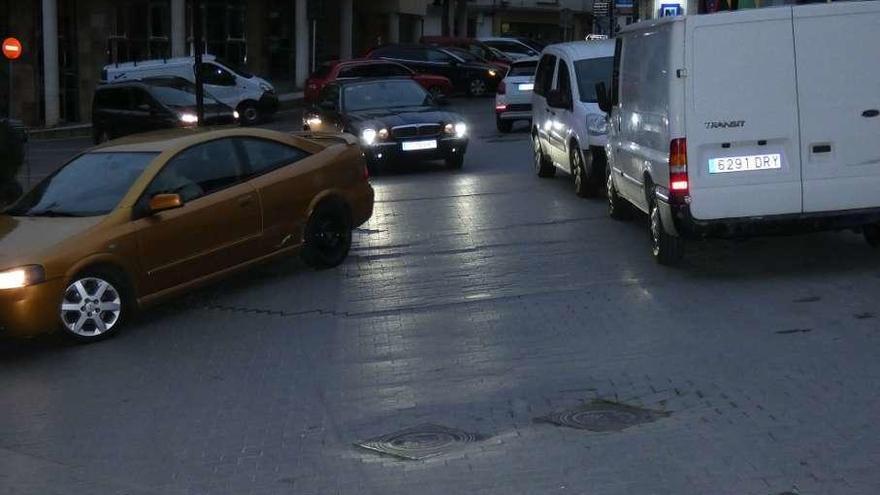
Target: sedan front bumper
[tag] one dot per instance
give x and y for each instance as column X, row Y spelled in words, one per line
column 393, row 152
column 31, row 310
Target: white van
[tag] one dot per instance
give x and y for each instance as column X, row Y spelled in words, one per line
column 760, row 121
column 254, row 98
column 569, row 131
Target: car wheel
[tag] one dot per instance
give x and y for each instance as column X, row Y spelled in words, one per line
column 543, row 166
column 477, row 87
column 666, row 249
column 455, row 161
column 95, row 306
column 249, row 114
column 618, row 208
column 582, row 174
column 872, row 235
column 327, row 237
column 503, row 125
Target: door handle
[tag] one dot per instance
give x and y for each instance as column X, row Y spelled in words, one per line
column 821, row 148
column 870, row 113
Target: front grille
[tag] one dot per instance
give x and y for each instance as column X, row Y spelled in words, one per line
column 407, row 131
column 520, row 107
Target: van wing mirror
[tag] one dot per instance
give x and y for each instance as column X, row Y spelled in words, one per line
column 603, row 98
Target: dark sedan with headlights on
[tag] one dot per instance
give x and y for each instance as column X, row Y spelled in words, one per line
column 397, row 121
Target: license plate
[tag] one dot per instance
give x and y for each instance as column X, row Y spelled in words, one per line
column 747, row 163
column 525, row 87
column 419, row 145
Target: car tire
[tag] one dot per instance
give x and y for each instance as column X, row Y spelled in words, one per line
column 503, row 125
column 872, row 235
column 582, row 174
column 477, row 87
column 667, row 250
column 249, row 114
column 95, row 306
column 618, row 208
column 543, row 166
column 327, row 236
column 455, row 161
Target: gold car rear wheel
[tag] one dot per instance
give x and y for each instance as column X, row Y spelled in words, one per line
column 94, row 306
column 327, row 236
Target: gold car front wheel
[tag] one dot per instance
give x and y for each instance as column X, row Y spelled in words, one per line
column 93, row 307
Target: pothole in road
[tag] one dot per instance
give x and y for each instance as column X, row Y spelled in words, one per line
column 600, row 415
column 420, row 442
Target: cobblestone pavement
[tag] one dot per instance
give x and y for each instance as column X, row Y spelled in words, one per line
column 480, row 300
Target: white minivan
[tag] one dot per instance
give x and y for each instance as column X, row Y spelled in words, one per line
column 759, row 121
column 253, row 97
column 569, row 131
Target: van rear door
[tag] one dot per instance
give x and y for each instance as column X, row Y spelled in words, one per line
column 742, row 118
column 838, row 64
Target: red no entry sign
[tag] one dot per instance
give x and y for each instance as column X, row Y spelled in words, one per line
column 11, row 48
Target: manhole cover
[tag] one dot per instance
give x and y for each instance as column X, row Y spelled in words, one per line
column 420, row 442
column 601, row 415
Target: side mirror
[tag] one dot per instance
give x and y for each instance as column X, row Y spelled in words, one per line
column 602, row 98
column 555, row 99
column 144, row 107
column 164, row 202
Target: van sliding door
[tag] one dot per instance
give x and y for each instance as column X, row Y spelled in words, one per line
column 838, row 69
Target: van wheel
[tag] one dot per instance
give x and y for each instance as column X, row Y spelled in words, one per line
column 327, row 237
column 503, row 125
column 666, row 249
column 618, row 208
column 872, row 235
column 543, row 166
column 249, row 114
column 582, row 174
column 95, row 306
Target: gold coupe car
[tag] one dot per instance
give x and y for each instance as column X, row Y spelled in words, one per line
column 140, row 219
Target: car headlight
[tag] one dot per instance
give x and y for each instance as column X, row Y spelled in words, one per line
column 17, row 278
column 368, row 136
column 382, row 134
column 493, row 72
column 189, row 118
column 597, row 125
column 266, row 87
column 460, row 129
column 235, row 114
column 313, row 120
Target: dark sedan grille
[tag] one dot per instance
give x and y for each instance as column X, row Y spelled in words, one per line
column 407, row 131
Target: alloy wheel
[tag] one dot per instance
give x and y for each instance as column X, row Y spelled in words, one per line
column 91, row 307
column 477, row 87
column 656, row 232
column 577, row 170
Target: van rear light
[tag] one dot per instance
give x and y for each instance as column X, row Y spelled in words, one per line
column 502, row 88
column 678, row 171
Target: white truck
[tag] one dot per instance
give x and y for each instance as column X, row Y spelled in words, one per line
column 762, row 121
column 253, row 97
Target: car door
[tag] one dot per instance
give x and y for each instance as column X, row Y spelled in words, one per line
column 561, row 117
column 276, row 174
column 217, row 227
column 839, row 102
column 443, row 64
column 540, row 110
column 328, row 110
column 221, row 84
column 147, row 113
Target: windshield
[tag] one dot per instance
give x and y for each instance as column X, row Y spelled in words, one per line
column 177, row 93
column 238, row 69
column 383, row 94
column 463, row 54
column 592, row 71
column 523, row 68
column 90, row 185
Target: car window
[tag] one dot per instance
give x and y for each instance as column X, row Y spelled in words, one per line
column 177, row 92
column 89, row 185
column 389, row 70
column 510, row 47
column 139, row 97
column 592, row 71
column 328, row 99
column 563, row 81
column 438, row 56
column 523, row 69
column 354, row 71
column 544, row 74
column 198, row 171
column 264, row 156
column 113, row 99
column 216, row 75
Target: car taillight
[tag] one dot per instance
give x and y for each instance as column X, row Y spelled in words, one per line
column 366, row 172
column 678, row 170
column 502, row 88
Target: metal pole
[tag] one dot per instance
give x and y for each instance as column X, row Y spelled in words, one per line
column 199, row 47
column 314, row 42
column 10, row 90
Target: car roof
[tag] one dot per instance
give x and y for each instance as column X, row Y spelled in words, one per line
column 178, row 138
column 366, row 80
column 579, row 50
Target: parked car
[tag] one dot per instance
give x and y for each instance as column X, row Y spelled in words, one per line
column 396, row 120
column 253, row 97
column 798, row 152
column 515, row 48
column 513, row 99
column 569, row 131
column 438, row 86
column 474, row 77
column 143, row 219
column 473, row 46
column 133, row 107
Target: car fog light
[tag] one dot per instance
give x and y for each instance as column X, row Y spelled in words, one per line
column 189, row 118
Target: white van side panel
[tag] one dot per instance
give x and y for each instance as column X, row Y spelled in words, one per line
column 838, row 63
column 741, row 91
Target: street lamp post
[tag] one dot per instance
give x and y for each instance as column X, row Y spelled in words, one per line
column 198, row 47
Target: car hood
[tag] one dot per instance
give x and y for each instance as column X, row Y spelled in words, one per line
column 392, row 117
column 24, row 239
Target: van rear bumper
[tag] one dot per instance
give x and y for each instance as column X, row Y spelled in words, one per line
column 678, row 221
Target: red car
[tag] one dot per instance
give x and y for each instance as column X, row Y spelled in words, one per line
column 351, row 69
column 475, row 47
